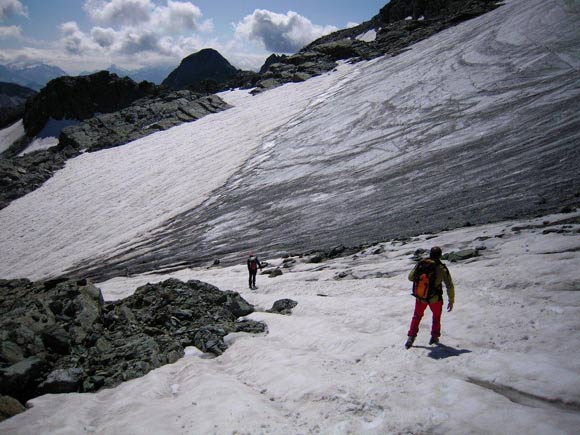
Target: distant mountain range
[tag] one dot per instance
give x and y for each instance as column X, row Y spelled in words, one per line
column 33, row 76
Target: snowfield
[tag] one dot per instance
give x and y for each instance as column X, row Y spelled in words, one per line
column 509, row 362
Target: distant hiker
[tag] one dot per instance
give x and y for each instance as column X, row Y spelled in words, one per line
column 428, row 276
column 253, row 265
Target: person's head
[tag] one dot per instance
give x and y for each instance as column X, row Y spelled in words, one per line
column 435, row 253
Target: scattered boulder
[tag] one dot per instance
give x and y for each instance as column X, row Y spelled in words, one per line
column 273, row 273
column 9, row 407
column 62, row 381
column 283, row 306
column 462, row 255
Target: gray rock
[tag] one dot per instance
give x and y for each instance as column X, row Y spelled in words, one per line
column 251, row 326
column 62, row 381
column 10, row 352
column 462, row 255
column 283, row 306
column 56, row 339
column 273, row 273
column 210, row 340
column 20, row 379
column 238, row 305
column 9, row 407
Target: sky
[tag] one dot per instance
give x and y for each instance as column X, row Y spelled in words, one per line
column 80, row 35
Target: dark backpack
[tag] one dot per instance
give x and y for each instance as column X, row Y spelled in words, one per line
column 253, row 262
column 424, row 279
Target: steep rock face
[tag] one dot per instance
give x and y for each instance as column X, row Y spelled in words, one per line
column 142, row 118
column 81, row 97
column 60, row 336
column 206, row 64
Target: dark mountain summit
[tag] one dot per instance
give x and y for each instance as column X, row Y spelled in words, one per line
column 205, row 65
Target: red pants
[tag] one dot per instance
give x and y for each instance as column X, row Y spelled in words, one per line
column 420, row 307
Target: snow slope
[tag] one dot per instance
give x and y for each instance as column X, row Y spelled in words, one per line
column 11, row 134
column 476, row 124
column 509, row 363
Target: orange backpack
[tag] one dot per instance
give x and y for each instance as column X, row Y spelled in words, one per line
column 424, row 279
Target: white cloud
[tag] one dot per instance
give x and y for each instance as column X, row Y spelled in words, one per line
column 179, row 16
column 175, row 17
column 12, row 7
column 351, row 24
column 10, row 32
column 278, row 32
column 103, row 37
column 119, row 12
column 74, row 41
column 138, row 27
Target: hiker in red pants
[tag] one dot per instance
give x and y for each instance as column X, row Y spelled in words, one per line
column 428, row 276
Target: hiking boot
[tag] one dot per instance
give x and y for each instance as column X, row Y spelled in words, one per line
column 434, row 340
column 410, row 342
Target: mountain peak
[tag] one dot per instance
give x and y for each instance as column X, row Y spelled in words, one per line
column 206, row 64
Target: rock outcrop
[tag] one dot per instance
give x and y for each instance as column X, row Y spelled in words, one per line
column 142, row 118
column 80, row 98
column 60, row 336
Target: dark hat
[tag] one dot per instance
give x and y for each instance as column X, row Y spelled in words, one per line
column 435, row 253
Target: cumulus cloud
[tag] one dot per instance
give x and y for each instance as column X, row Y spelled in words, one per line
column 74, row 40
column 103, row 37
column 119, row 12
column 137, row 27
column 9, row 8
column 174, row 17
column 278, row 32
column 180, row 16
column 10, row 32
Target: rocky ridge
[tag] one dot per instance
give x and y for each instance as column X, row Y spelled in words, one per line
column 397, row 26
column 143, row 117
column 60, row 336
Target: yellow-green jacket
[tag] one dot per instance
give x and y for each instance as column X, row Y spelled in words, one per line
column 442, row 275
